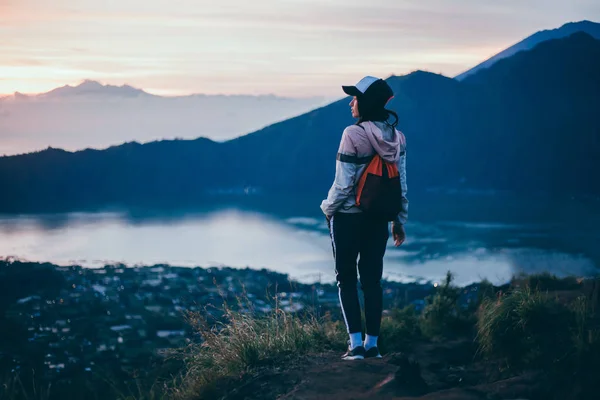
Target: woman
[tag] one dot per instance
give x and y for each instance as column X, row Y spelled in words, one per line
column 354, row 234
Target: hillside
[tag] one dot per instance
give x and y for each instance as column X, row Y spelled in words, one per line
column 589, row 27
column 514, row 342
column 163, row 332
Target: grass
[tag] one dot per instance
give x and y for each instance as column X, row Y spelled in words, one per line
column 532, row 329
column 245, row 341
column 14, row 388
column 526, row 328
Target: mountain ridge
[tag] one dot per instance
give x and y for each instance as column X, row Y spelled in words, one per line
column 484, row 133
column 531, row 41
column 93, row 87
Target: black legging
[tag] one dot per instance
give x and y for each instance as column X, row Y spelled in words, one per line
column 353, row 235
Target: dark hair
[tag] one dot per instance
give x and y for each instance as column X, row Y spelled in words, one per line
column 371, row 111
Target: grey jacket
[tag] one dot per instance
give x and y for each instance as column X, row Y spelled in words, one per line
column 357, row 147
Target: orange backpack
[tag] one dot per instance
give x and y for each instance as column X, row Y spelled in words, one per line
column 379, row 192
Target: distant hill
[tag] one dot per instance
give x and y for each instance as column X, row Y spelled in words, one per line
column 527, row 124
column 92, row 115
column 591, row 28
column 93, row 88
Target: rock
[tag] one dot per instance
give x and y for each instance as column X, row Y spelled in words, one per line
column 408, row 375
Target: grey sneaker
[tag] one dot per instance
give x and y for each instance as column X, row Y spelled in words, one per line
column 357, row 353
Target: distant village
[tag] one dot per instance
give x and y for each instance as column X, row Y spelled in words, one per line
column 119, row 317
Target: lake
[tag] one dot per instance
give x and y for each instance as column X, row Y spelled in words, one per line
column 476, row 236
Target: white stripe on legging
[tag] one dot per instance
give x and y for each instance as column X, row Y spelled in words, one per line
column 339, row 288
column 343, row 312
column 332, row 237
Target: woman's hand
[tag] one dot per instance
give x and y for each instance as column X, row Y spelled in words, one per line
column 399, row 233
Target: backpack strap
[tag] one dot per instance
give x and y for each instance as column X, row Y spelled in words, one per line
column 356, row 159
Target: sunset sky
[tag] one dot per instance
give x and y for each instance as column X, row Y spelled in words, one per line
column 283, row 47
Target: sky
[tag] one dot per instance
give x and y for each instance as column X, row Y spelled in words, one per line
column 296, row 48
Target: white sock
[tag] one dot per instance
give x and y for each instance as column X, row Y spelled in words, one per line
column 355, row 340
column 370, row 341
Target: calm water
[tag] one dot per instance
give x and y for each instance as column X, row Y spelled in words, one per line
column 474, row 236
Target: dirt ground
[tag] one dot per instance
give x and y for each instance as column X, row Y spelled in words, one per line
column 443, row 371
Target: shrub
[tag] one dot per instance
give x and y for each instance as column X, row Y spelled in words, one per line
column 398, row 330
column 442, row 315
column 486, row 291
column 586, row 341
column 526, row 328
column 546, row 282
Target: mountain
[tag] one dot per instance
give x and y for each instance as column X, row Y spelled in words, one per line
column 591, row 28
column 86, row 90
column 544, row 106
column 527, row 124
column 92, row 115
column 93, row 88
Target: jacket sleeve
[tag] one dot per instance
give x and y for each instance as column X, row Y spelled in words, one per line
column 345, row 176
column 403, row 215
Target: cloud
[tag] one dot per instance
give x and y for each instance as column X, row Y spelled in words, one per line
column 206, row 46
column 20, row 62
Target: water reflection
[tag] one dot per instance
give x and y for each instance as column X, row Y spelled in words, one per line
column 298, row 244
